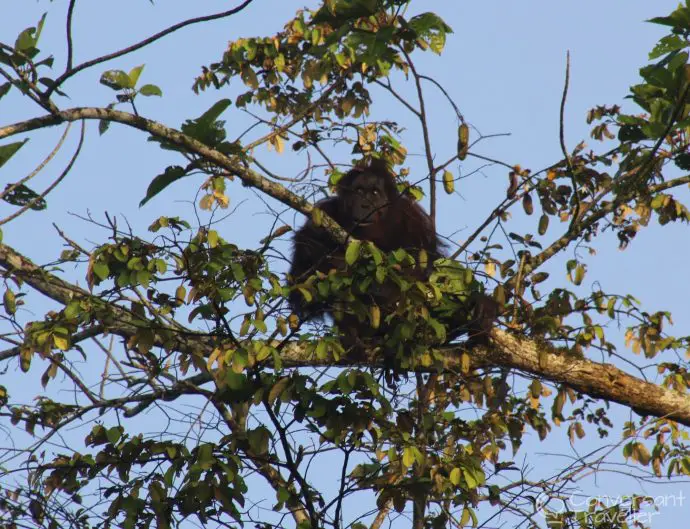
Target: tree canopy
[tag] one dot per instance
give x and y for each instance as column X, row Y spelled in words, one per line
column 169, row 383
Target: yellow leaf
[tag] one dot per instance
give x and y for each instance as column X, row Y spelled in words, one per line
column 408, row 456
column 465, row 363
column 279, row 144
column 61, row 342
column 206, row 202
column 375, row 316
column 213, row 357
column 455, row 476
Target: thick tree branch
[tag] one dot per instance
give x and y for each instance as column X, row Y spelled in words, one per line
column 529, row 356
column 231, row 165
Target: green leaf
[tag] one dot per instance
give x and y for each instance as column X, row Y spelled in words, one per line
column 143, row 278
column 668, row 44
column 9, row 150
column 352, row 252
column 249, row 77
column 160, row 182
column 543, row 224
column 213, row 238
column 375, row 253
column 431, row 29
column 258, row 440
column 39, row 28
column 150, row 90
column 115, row 79
column 113, row 434
column 438, row 328
column 278, row 389
column 207, row 128
column 103, row 126
column 61, row 342
column 682, row 160
column 134, row 74
column 23, row 196
column 213, row 113
column 472, row 483
column 25, row 40
column 101, row 270
column 4, row 88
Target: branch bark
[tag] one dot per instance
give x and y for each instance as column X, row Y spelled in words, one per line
column 231, row 165
column 599, row 380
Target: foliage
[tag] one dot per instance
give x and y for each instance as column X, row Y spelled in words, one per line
column 207, row 339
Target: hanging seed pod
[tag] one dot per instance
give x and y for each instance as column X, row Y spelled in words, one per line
column 543, row 224
column 512, row 184
column 527, row 204
column 463, row 141
column 448, row 182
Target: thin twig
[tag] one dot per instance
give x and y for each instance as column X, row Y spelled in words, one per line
column 70, row 45
column 445, row 93
column 427, row 138
column 561, row 135
column 397, row 96
column 297, row 118
column 109, row 354
column 70, row 242
column 52, row 186
column 622, row 198
column 381, row 516
column 69, row 72
column 341, row 493
column 40, row 167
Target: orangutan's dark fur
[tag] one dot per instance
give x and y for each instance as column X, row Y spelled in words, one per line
column 369, row 206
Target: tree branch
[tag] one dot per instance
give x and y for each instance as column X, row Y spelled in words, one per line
column 69, row 71
column 231, row 165
column 529, row 356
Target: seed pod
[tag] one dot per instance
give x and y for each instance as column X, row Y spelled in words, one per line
column 527, row 204
column 499, row 295
column 512, row 184
column 543, row 224
column 539, row 277
column 463, row 141
column 448, row 183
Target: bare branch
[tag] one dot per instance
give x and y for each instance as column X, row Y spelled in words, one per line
column 231, row 165
column 69, row 71
column 39, row 168
column 564, row 149
column 52, row 186
column 68, row 31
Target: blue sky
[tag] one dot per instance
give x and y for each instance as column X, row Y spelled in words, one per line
column 504, row 66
